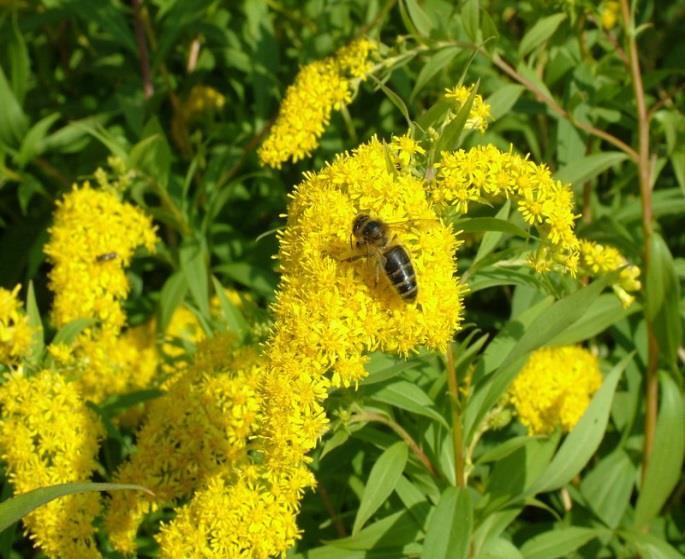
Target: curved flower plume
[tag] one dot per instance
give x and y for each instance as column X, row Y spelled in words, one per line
column 48, row 436
column 330, row 311
column 92, row 240
column 486, row 174
column 319, row 88
column 15, row 330
column 199, row 428
column 554, row 388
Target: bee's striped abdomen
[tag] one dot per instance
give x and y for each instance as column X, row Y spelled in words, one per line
column 400, row 272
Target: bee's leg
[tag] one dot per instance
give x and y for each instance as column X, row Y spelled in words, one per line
column 380, row 265
column 352, row 258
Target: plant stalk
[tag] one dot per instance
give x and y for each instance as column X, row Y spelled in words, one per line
column 644, row 174
column 457, row 431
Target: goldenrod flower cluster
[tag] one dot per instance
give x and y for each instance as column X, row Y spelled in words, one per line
column 554, row 388
column 609, row 14
column 331, row 311
column 479, row 114
column 91, row 241
column 484, row 174
column 319, row 88
column 15, row 330
column 47, row 436
column 248, row 514
column 199, row 428
column 201, row 100
column 601, row 259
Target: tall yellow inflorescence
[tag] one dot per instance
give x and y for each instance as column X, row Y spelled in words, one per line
column 319, row 88
column 201, row 427
column 92, row 240
column 479, row 114
column 48, row 435
column 485, row 174
column 15, row 329
column 554, row 388
column 330, row 311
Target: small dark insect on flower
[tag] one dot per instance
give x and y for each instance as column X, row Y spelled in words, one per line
column 105, row 257
column 373, row 235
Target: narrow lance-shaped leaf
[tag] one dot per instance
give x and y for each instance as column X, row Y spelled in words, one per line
column 14, row 509
column 666, row 460
column 582, row 442
column 383, row 478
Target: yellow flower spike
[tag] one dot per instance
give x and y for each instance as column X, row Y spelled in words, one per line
column 330, row 312
column 92, row 239
column 15, row 331
column 199, row 428
column 486, row 174
column 47, row 436
column 319, row 88
column 107, row 363
column 251, row 513
column 554, row 388
column 479, row 115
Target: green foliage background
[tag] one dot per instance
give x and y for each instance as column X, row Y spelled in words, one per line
column 71, row 93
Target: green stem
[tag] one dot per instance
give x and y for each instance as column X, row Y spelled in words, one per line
column 457, row 432
column 368, row 416
column 644, row 174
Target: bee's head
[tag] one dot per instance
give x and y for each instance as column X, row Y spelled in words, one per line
column 358, row 224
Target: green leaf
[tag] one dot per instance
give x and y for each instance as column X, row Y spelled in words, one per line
column 449, row 528
column 491, row 238
column 545, row 327
column 582, row 442
column 662, row 288
column 13, row 121
column 33, row 314
column 338, row 438
column 665, row 463
column 382, row 367
column 20, row 63
column 539, row 33
column 419, row 18
column 396, row 529
column 193, row 260
column 503, row 99
column 558, row 542
column 394, row 98
column 261, row 280
column 650, row 547
column 503, row 450
column 589, row 167
column 608, row 487
column 232, row 315
column 469, row 18
column 449, row 138
column 14, row 509
column 433, row 65
column 499, row 548
column 604, row 312
column 436, row 112
column 68, row 333
column 407, row 396
column 33, row 143
column 383, row 478
column 172, row 295
column 153, row 154
column 100, row 133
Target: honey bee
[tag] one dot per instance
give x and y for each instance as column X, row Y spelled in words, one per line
column 373, row 235
column 105, row 257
